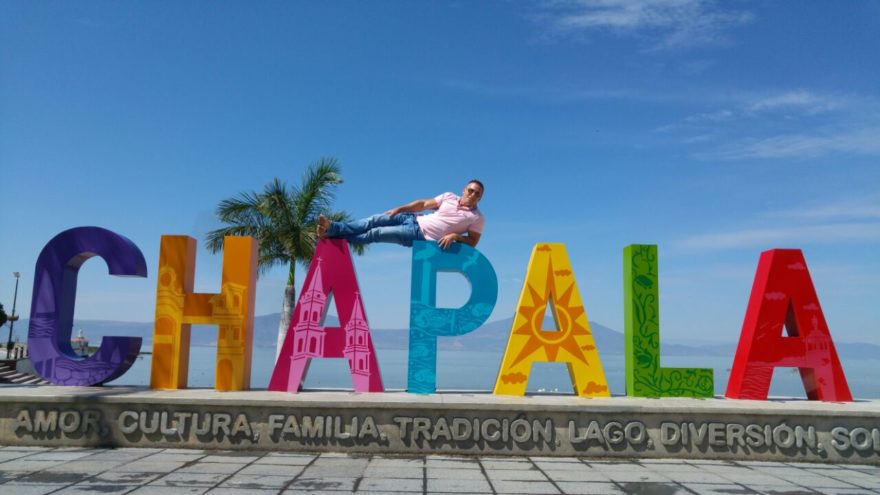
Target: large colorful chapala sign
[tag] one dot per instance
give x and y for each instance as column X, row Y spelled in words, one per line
column 783, row 299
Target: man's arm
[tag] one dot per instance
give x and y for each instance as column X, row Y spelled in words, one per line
column 417, row 205
column 471, row 239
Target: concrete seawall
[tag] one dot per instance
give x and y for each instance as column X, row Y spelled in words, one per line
column 447, row 423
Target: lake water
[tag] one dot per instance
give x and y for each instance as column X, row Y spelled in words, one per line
column 476, row 371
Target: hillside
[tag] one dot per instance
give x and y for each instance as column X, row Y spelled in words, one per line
column 492, row 335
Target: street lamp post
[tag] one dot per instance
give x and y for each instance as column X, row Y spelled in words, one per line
column 12, row 316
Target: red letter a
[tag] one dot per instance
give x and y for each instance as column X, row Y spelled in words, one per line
column 783, row 296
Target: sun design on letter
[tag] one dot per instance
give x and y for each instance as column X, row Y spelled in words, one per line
column 565, row 312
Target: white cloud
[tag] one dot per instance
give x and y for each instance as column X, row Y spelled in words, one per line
column 779, row 237
column 710, row 117
column 802, row 100
column 859, row 208
column 864, row 141
column 668, row 23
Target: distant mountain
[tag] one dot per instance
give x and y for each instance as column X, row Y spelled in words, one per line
column 492, row 335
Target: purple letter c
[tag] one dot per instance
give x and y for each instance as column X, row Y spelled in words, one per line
column 53, row 302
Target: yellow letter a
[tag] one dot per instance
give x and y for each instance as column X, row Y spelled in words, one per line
column 549, row 279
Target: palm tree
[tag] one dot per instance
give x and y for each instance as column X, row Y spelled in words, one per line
column 283, row 219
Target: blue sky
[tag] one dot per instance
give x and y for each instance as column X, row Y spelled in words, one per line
column 713, row 129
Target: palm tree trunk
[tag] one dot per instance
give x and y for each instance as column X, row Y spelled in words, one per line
column 287, row 307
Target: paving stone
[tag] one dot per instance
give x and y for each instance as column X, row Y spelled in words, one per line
column 759, row 464
column 285, row 460
column 395, row 461
column 506, row 464
column 810, row 480
column 256, row 482
column 175, row 457
column 324, row 484
column 583, row 473
column 332, row 472
column 562, row 460
column 170, row 490
column 554, row 466
column 652, row 488
column 341, row 462
column 458, row 485
column 59, row 455
column 847, row 491
column 674, row 468
column 117, row 478
column 688, row 477
column 859, row 479
column 242, row 491
column 211, row 468
column 531, row 474
column 184, row 451
column 785, row 473
column 298, row 491
column 189, row 479
column 148, row 467
column 47, row 478
column 343, row 455
column 272, row 470
column 27, row 465
column 528, row 487
column 28, row 489
column 590, row 488
column 757, row 478
column 452, row 463
column 9, row 476
column 91, row 489
column 719, row 489
column 8, row 455
column 780, row 490
column 465, row 474
column 865, row 468
column 631, row 474
column 88, row 467
column 229, row 458
column 732, row 473
column 404, row 472
column 390, row 485
column 709, row 462
column 120, row 456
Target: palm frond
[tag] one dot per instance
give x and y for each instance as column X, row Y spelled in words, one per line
column 315, row 193
column 282, row 218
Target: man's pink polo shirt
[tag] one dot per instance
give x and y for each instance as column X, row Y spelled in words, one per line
column 450, row 218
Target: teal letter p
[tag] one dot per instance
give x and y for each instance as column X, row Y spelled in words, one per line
column 427, row 321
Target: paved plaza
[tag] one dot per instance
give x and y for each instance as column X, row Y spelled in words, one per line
column 38, row 470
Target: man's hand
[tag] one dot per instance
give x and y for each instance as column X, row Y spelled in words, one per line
column 447, row 240
column 415, row 206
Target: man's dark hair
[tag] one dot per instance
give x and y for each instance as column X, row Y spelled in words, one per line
column 482, row 187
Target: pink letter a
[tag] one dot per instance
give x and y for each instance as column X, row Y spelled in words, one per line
column 331, row 271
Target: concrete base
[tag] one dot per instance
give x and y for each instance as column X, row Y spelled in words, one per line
column 449, row 423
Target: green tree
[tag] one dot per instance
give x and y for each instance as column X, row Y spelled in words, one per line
column 284, row 220
column 3, row 316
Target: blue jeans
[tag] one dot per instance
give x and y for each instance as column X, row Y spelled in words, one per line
column 401, row 229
